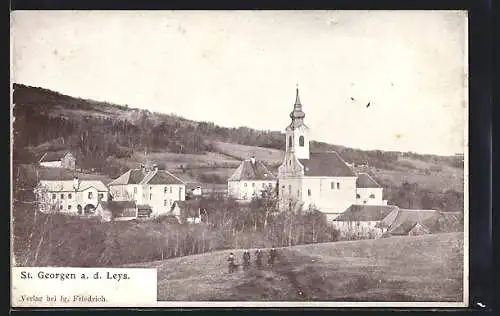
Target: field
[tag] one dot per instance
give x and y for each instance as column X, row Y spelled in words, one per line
column 241, row 152
column 423, row 268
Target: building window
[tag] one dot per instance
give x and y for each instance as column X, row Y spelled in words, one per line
column 135, row 190
column 53, row 196
column 69, row 207
column 165, row 190
column 101, row 196
column 298, row 193
column 332, row 185
column 90, row 195
column 338, row 185
column 62, row 196
column 150, row 196
column 245, row 184
column 372, row 196
column 301, row 141
column 289, row 141
column 290, row 189
column 358, row 196
column 253, row 184
column 170, row 189
column 165, row 203
column 263, row 185
column 309, row 192
column 60, row 207
column 69, row 196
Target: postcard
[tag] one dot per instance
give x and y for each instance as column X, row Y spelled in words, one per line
column 239, row 158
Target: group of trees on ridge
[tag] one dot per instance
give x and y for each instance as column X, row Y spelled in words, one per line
column 41, row 116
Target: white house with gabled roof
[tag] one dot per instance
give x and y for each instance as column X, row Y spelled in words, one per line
column 158, row 189
column 74, row 197
column 250, row 180
column 368, row 191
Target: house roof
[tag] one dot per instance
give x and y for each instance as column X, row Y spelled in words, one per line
column 405, row 220
column 138, row 176
column 251, row 171
column 364, row 180
column 68, row 185
column 326, row 164
column 54, row 156
column 360, row 213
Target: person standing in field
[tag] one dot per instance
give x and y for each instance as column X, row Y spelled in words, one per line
column 246, row 259
column 272, row 256
column 258, row 258
column 230, row 260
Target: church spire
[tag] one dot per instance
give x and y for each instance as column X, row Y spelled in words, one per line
column 297, row 114
column 297, row 98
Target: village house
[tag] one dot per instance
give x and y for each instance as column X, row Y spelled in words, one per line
column 319, row 180
column 249, row 180
column 77, row 197
column 60, row 159
column 190, row 211
column 116, row 210
column 368, row 191
column 363, row 220
column 404, row 222
column 149, row 188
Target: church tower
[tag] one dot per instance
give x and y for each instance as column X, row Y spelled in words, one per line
column 297, row 138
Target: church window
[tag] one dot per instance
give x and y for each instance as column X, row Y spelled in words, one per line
column 301, row 141
column 309, row 192
column 289, row 141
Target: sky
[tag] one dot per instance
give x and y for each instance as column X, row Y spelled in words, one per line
column 241, row 68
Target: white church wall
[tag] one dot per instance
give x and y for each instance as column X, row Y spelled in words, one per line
column 330, row 194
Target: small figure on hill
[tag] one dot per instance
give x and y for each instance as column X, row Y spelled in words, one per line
column 246, row 260
column 272, row 256
column 230, row 260
column 258, row 258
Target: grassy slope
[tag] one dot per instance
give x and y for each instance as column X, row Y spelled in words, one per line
column 423, row 268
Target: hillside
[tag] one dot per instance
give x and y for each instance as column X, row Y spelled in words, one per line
column 110, row 139
column 422, row 268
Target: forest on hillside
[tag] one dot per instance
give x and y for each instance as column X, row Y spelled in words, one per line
column 49, row 121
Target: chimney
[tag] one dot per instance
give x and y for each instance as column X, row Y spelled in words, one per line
column 252, row 159
column 76, row 183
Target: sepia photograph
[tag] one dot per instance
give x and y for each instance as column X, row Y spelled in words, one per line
column 239, row 158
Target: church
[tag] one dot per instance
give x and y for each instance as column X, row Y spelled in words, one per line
column 320, row 180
